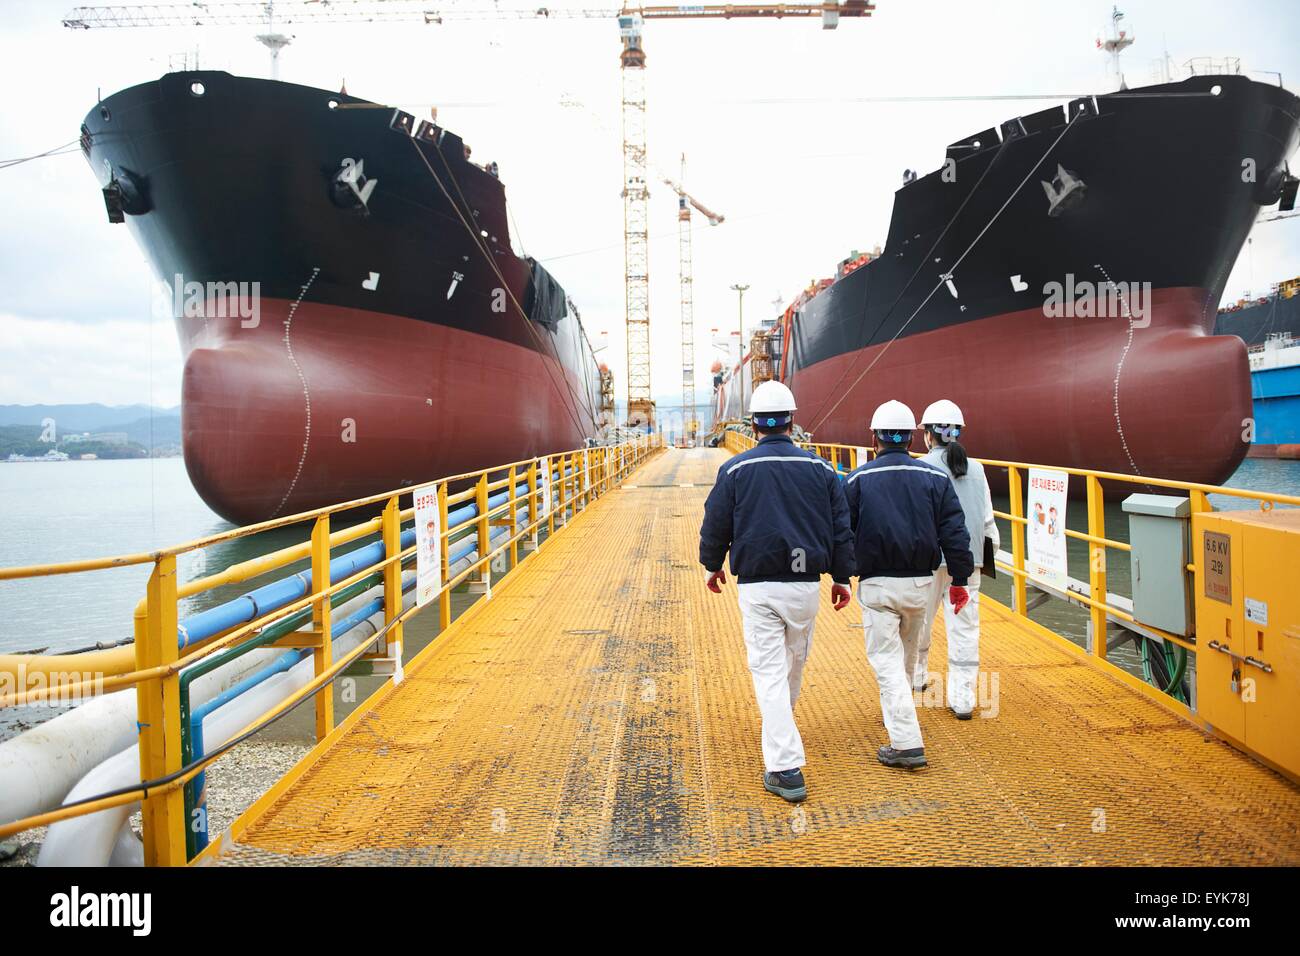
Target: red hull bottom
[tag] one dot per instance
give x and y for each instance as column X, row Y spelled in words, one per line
column 1167, row 401
column 318, row 405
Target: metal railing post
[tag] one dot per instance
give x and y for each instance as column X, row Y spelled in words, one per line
column 1018, row 590
column 552, row 492
column 158, row 706
column 581, row 478
column 444, row 593
column 588, row 478
column 323, row 651
column 1097, row 566
column 1200, row 501
column 530, row 542
column 482, row 578
column 392, row 580
column 561, row 500
column 575, row 482
column 514, row 517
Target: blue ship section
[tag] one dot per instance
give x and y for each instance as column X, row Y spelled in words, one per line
column 1277, row 405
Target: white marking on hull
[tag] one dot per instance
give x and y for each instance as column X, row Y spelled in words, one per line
column 306, row 392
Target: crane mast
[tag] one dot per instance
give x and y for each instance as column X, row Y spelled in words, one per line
column 636, row 232
column 690, row 424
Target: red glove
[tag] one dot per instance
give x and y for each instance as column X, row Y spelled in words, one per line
column 714, row 579
column 959, row 597
column 839, row 596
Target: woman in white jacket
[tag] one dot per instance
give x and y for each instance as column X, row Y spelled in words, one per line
column 942, row 423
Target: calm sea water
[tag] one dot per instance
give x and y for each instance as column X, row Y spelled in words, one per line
column 63, row 511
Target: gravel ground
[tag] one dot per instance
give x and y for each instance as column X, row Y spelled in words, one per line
column 233, row 783
column 244, row 774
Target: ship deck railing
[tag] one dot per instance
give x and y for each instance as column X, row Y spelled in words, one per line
column 1106, row 610
column 595, row 705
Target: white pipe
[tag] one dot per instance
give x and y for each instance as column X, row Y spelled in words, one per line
column 129, row 849
column 90, row 840
column 40, row 766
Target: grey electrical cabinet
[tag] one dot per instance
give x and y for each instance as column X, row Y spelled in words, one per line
column 1162, row 591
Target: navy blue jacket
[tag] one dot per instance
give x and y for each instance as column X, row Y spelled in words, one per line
column 905, row 516
column 782, row 513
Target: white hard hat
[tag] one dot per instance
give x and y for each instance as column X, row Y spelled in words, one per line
column 942, row 412
column 893, row 416
column 771, row 397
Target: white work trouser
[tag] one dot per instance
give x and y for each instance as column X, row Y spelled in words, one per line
column 893, row 616
column 963, row 642
column 778, row 617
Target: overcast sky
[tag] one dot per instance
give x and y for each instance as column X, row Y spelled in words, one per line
column 764, row 111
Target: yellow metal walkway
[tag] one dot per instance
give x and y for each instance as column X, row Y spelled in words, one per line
column 598, row 710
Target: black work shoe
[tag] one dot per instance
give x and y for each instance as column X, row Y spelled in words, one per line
column 786, row 784
column 960, row 714
column 907, row 759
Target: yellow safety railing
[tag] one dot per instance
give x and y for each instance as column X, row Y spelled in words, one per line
column 162, row 650
column 1095, row 601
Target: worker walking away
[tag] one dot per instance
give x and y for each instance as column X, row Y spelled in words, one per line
column 943, row 423
column 781, row 512
column 906, row 517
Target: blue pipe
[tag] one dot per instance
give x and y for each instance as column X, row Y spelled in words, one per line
column 277, row 594
column 282, row 663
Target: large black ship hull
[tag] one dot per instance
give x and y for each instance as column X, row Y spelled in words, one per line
column 1254, row 323
column 398, row 337
column 1171, row 179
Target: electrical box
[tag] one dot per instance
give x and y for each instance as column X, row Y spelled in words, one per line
column 1157, row 530
column 1248, row 630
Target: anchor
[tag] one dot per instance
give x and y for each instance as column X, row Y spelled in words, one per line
column 1064, row 192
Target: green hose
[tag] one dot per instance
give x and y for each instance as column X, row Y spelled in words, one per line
column 1175, row 664
column 1179, row 654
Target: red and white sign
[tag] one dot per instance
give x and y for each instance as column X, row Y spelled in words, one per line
column 428, row 545
column 1046, row 513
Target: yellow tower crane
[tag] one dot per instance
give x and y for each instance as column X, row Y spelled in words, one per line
column 631, row 19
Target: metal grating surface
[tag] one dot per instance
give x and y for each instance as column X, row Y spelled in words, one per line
column 600, row 711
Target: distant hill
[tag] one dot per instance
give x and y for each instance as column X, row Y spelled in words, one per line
column 22, row 423
column 85, row 418
column 25, row 440
column 166, row 430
